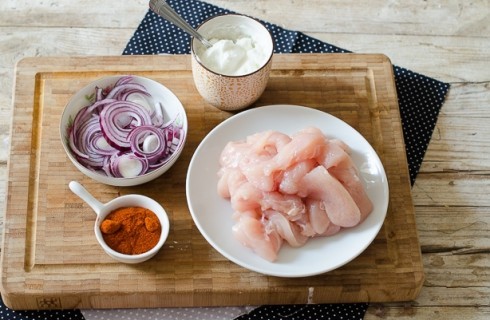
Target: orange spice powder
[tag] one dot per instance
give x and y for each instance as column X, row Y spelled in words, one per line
column 131, row 230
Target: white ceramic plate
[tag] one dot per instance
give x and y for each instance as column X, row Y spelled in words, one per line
column 213, row 214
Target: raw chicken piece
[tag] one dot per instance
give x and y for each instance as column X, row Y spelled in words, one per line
column 246, row 197
column 318, row 218
column 317, row 215
column 291, row 206
column 232, row 153
column 229, row 179
column 340, row 207
column 305, row 144
column 252, row 154
column 348, row 175
column 222, row 187
column 334, row 152
column 293, row 175
column 276, row 221
column 331, row 230
column 256, row 214
column 252, row 233
column 305, row 226
column 253, row 170
column 262, row 148
column 267, row 143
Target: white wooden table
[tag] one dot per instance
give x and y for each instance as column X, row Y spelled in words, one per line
column 448, row 40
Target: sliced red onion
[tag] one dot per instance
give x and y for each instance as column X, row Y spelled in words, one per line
column 148, row 142
column 173, row 145
column 124, row 138
column 120, row 92
column 97, row 106
column 123, row 80
column 99, row 143
column 114, row 122
column 73, row 132
column 89, row 144
column 127, row 165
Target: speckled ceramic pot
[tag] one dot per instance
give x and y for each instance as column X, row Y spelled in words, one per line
column 232, row 92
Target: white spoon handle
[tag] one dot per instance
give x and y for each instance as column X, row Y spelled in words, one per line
column 80, row 191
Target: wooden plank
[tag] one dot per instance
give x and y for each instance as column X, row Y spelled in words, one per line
column 453, row 189
column 20, row 42
column 375, row 17
column 76, row 14
column 438, row 296
column 451, row 65
column 446, row 58
column 43, row 216
column 463, row 267
column 453, row 230
column 460, row 139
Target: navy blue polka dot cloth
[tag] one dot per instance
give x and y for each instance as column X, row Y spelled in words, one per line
column 420, row 97
column 342, row 311
column 8, row 314
column 420, row 100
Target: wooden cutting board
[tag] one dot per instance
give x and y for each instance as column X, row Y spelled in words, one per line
column 50, row 257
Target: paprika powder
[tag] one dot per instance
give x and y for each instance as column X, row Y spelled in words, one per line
column 131, row 230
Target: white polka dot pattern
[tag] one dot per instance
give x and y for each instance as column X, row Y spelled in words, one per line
column 9, row 314
column 353, row 311
column 420, row 99
column 167, row 313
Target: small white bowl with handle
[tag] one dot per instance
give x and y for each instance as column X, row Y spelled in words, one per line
column 131, row 200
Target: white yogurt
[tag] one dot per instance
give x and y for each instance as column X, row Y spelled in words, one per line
column 234, row 56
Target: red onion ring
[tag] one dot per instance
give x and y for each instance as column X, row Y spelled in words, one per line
column 85, row 143
column 114, row 122
column 116, row 165
column 137, row 137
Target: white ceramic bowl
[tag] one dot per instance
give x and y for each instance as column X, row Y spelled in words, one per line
column 232, row 92
column 159, row 93
column 131, row 200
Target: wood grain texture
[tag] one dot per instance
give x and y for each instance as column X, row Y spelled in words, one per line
column 448, row 40
column 48, row 230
